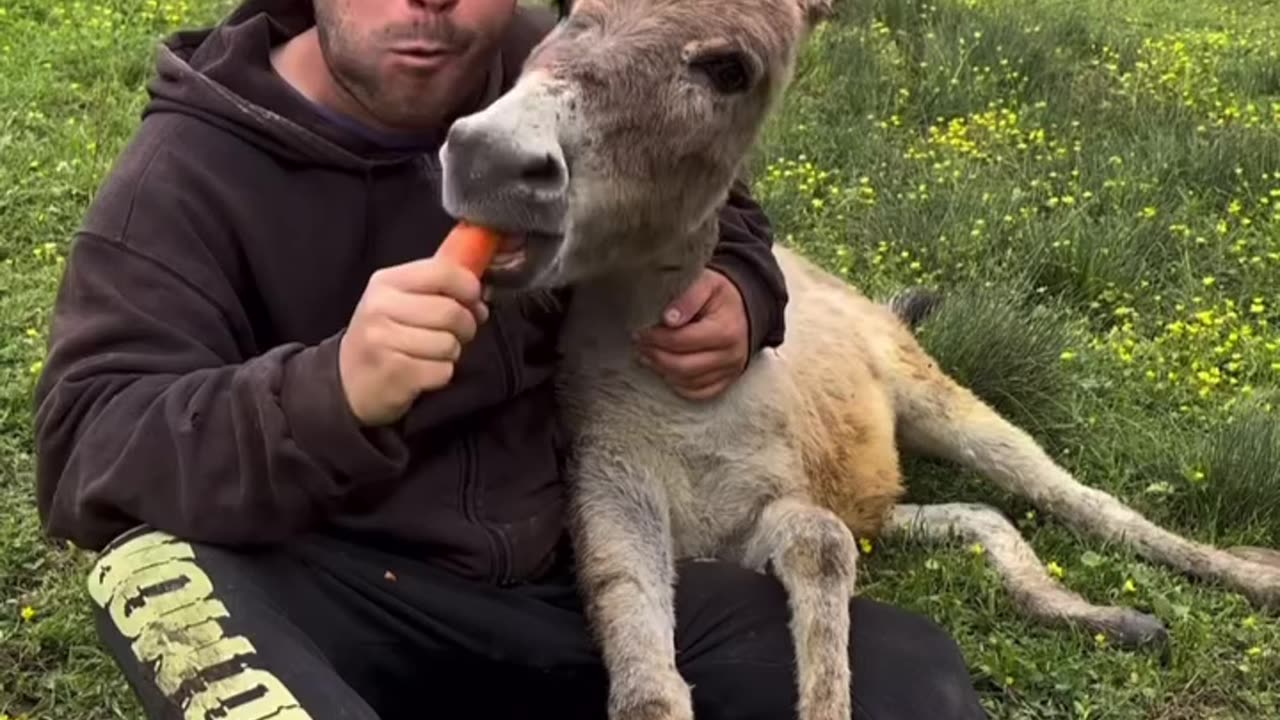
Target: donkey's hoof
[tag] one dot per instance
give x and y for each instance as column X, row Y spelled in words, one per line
column 1260, row 555
column 1133, row 629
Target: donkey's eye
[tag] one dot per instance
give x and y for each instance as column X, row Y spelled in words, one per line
column 728, row 72
column 575, row 24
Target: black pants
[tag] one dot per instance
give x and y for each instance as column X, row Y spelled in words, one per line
column 325, row 629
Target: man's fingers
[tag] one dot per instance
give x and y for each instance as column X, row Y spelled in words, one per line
column 702, row 392
column 421, row 343
column 691, row 302
column 432, row 312
column 702, row 336
column 685, row 368
column 422, row 374
column 430, row 276
column 716, row 378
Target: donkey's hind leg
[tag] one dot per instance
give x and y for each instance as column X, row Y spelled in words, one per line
column 814, row 556
column 937, row 416
column 1261, row 555
column 1033, row 591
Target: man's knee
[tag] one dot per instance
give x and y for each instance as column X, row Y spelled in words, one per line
column 724, row 610
column 734, row 636
column 906, row 666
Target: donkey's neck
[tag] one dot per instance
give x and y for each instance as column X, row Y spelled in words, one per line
column 608, row 309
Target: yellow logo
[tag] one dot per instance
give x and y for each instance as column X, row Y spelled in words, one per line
column 160, row 600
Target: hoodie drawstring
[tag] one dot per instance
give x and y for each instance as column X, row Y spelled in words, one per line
column 367, row 241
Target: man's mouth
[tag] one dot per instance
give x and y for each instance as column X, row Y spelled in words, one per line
column 423, row 53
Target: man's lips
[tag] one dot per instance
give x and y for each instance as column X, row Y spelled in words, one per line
column 423, row 52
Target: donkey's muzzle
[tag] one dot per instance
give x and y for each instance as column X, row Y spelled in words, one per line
column 494, row 161
column 510, row 177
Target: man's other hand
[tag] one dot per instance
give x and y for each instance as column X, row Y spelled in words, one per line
column 702, row 345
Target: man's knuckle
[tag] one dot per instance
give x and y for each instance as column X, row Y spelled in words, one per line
column 450, row 313
column 369, row 345
column 452, row 347
column 436, row 374
column 466, row 324
column 395, row 375
column 689, row 365
column 379, row 303
column 374, row 336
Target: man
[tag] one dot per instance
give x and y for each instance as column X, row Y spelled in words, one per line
column 321, row 467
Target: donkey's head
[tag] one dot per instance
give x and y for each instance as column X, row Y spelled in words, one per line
column 624, row 132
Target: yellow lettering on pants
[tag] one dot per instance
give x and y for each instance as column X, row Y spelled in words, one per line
column 158, row 598
column 137, row 554
column 276, row 702
column 132, row 609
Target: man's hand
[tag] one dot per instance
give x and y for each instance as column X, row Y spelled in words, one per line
column 702, row 345
column 405, row 336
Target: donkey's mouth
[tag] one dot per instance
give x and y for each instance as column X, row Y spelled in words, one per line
column 512, row 253
column 521, row 258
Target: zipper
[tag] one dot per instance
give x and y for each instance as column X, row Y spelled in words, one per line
column 469, row 493
column 504, row 356
column 510, row 378
column 499, row 545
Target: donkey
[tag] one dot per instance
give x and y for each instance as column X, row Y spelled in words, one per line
column 606, row 163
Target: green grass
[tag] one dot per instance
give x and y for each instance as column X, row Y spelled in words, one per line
column 1094, row 185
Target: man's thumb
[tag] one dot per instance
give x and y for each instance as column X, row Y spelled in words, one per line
column 689, row 304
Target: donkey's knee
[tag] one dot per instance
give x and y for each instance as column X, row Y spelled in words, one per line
column 822, row 549
column 806, row 543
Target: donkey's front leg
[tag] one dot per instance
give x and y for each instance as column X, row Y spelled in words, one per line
column 622, row 539
column 815, row 557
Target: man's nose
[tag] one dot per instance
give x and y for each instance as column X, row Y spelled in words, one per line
column 499, row 160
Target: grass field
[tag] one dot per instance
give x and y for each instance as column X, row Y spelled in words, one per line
column 1096, row 187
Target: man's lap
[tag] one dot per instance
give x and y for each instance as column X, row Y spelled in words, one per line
column 410, row 639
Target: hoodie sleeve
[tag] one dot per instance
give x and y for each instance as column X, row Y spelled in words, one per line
column 745, row 255
column 153, row 408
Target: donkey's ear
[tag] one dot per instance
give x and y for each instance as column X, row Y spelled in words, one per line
column 817, row 11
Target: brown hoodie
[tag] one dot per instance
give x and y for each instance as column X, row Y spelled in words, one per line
column 192, row 381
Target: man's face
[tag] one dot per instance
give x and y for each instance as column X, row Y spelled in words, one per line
column 410, row 63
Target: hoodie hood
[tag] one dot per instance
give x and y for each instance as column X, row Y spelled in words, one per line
column 223, row 76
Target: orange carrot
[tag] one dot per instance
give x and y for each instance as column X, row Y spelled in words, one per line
column 471, row 246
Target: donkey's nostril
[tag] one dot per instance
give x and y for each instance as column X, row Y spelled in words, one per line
column 523, row 167
column 543, row 171
column 497, row 160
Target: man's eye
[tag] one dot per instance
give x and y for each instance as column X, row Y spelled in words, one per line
column 728, row 72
